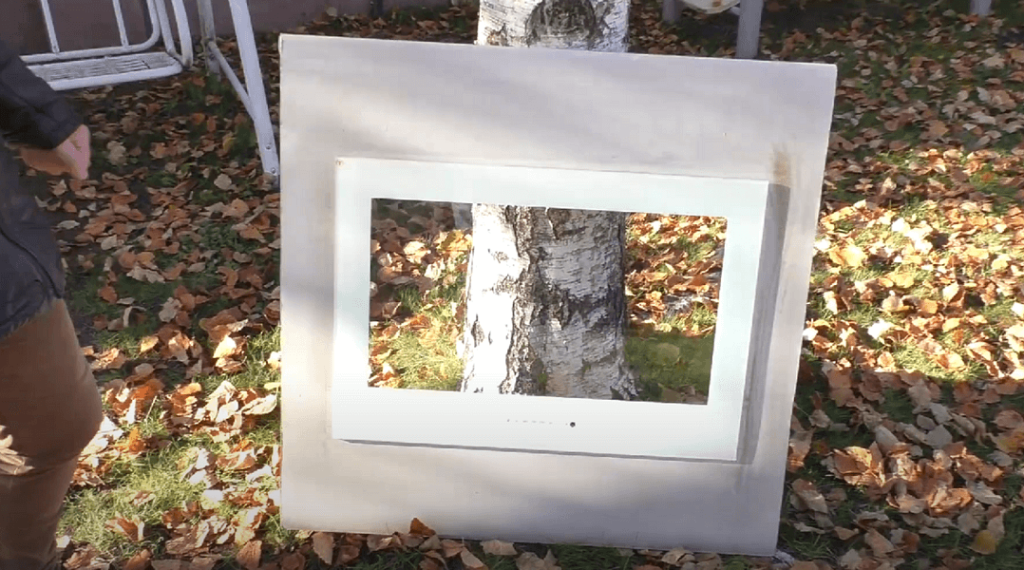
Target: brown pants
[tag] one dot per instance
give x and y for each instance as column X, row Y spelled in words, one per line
column 50, row 409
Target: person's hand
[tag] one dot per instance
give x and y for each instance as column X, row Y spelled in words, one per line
column 71, row 157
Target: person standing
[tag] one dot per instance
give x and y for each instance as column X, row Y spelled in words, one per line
column 50, row 407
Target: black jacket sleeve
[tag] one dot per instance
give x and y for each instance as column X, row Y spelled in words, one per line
column 31, row 112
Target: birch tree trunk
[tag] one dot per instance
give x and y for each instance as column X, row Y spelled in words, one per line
column 546, row 308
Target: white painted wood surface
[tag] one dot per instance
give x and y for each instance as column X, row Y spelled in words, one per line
column 538, row 108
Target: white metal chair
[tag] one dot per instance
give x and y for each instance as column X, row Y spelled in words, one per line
column 981, row 7
column 83, row 68
column 749, row 33
column 79, row 69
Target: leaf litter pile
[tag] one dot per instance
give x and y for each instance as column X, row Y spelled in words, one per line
column 907, row 432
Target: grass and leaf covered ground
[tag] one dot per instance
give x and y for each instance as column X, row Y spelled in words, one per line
column 419, row 263
column 907, row 431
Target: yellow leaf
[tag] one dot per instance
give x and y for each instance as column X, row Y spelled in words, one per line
column 951, row 361
column 850, row 256
column 950, row 291
column 928, row 307
column 226, row 347
column 892, row 303
column 950, row 324
column 985, row 542
column 904, row 280
column 148, row 343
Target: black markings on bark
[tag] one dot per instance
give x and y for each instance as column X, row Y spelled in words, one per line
column 478, row 333
column 541, row 304
column 571, row 21
column 520, row 357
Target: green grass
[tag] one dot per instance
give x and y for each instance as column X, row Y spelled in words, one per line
column 670, row 363
column 158, row 472
column 428, row 359
column 897, row 406
column 595, row 558
column 695, row 250
column 127, row 341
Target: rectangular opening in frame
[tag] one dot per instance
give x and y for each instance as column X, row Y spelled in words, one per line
column 689, row 289
column 419, row 261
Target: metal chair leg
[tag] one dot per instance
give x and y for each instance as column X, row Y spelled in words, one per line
column 258, row 109
column 670, row 10
column 748, row 37
column 208, row 29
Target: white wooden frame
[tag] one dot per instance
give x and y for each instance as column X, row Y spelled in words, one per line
column 601, row 427
column 354, row 99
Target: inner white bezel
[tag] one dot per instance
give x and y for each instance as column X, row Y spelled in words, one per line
column 536, row 423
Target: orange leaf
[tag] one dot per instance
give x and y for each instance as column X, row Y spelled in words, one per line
column 140, row 561
column 108, row 294
column 418, row 528
column 132, row 529
column 878, row 543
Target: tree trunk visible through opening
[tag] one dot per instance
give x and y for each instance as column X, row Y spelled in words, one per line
column 546, row 309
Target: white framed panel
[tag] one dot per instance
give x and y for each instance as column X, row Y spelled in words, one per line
column 350, row 99
column 538, row 423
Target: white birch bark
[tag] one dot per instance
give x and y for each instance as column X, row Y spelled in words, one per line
column 546, row 311
column 599, row 25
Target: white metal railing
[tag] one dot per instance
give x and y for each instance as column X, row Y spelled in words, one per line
column 75, row 69
column 126, row 48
